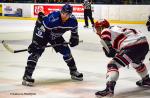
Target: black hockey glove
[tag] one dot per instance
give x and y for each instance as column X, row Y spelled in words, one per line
column 40, row 19
column 40, row 16
column 74, row 40
column 111, row 53
column 148, row 28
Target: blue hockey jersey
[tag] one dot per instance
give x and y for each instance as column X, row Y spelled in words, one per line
column 56, row 27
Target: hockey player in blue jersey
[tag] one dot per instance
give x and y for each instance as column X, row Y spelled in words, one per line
column 49, row 29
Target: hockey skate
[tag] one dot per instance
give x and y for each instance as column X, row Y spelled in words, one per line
column 85, row 26
column 27, row 81
column 145, row 82
column 108, row 92
column 75, row 75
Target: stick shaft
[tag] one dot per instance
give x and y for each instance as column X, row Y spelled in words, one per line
column 23, row 50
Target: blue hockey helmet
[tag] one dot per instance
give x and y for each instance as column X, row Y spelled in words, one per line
column 67, row 8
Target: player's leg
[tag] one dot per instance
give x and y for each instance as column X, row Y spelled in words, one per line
column 91, row 19
column 29, row 69
column 35, row 49
column 35, row 53
column 137, row 59
column 68, row 58
column 86, row 20
column 139, row 66
column 120, row 60
column 112, row 77
column 143, row 73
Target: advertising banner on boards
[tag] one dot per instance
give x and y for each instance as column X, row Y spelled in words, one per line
column 0, row 9
column 77, row 9
column 12, row 10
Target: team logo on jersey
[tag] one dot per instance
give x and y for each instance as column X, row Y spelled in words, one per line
column 39, row 33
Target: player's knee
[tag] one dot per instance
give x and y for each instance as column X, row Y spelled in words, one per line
column 35, row 49
column 32, row 60
column 112, row 72
column 32, row 48
column 112, row 66
column 67, row 57
column 69, row 60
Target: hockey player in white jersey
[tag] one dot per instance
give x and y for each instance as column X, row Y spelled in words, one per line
column 125, row 46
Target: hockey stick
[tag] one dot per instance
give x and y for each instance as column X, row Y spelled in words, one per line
column 23, row 50
column 104, row 45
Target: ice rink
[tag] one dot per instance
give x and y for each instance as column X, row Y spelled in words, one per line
column 52, row 79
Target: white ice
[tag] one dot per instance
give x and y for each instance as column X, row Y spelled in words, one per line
column 52, row 74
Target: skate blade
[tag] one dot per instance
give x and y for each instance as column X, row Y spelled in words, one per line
column 25, row 83
column 108, row 96
column 144, row 86
column 76, row 78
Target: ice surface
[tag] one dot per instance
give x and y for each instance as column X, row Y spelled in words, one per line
column 52, row 74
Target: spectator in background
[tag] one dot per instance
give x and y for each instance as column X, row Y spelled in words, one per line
column 87, row 13
column 92, row 1
column 115, row 1
column 7, row 1
column 137, row 1
column 58, row 1
column 78, row 1
column 72, row 1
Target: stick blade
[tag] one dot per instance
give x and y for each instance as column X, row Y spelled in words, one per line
column 104, row 45
column 7, row 47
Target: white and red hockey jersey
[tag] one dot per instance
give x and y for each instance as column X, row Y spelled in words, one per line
column 122, row 37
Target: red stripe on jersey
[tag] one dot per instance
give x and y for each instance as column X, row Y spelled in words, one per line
column 106, row 35
column 122, row 59
column 119, row 39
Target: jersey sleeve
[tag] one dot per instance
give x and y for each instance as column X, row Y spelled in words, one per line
column 46, row 22
column 106, row 35
column 50, row 19
column 74, row 24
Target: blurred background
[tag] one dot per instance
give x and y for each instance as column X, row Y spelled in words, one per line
column 80, row 1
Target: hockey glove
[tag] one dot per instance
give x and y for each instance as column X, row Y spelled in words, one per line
column 74, row 40
column 148, row 28
column 40, row 16
column 40, row 19
column 111, row 53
